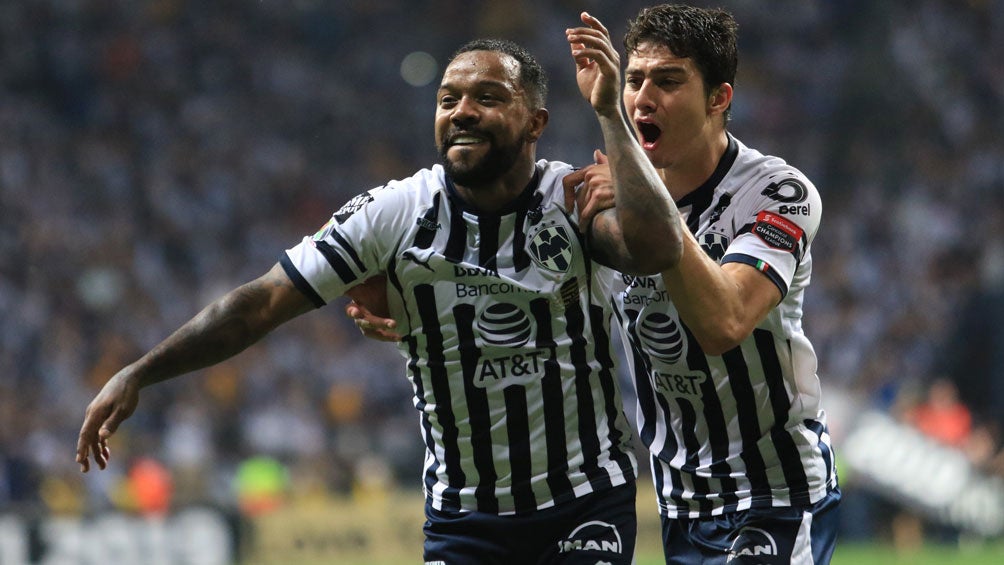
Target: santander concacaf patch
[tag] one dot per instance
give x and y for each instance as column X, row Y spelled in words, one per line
column 777, row 231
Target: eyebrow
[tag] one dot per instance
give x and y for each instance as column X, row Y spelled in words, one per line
column 660, row 70
column 480, row 84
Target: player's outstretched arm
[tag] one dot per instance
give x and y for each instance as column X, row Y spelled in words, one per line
column 222, row 330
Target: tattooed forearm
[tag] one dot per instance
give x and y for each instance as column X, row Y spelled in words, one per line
column 648, row 218
column 607, row 243
column 224, row 328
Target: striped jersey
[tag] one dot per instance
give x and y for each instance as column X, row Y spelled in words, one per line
column 506, row 323
column 744, row 429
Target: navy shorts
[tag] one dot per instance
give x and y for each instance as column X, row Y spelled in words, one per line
column 767, row 536
column 598, row 527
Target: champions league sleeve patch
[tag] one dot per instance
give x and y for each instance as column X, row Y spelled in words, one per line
column 777, row 231
column 325, row 230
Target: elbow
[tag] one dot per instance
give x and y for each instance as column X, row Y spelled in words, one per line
column 721, row 339
column 717, row 346
column 657, row 257
column 657, row 248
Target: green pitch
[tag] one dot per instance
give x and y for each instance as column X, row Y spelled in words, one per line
column 854, row 554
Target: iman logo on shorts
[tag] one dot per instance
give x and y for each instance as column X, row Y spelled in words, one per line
column 753, row 542
column 592, row 536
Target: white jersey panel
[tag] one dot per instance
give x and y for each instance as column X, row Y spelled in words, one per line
column 506, row 325
column 744, row 429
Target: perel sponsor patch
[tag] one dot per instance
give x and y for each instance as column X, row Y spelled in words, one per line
column 777, row 231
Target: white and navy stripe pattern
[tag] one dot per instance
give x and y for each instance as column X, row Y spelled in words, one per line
column 744, row 429
column 506, row 335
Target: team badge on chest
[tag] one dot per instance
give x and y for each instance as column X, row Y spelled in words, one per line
column 550, row 247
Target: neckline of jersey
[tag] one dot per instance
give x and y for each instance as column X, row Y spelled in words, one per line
column 524, row 201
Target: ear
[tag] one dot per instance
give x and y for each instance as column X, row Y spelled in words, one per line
column 720, row 99
column 538, row 121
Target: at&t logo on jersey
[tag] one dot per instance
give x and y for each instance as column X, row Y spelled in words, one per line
column 505, row 326
column 679, row 384
column 593, row 536
column 551, row 248
column 661, row 337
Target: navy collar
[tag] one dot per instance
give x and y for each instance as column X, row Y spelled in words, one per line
column 700, row 198
column 526, row 199
column 707, row 188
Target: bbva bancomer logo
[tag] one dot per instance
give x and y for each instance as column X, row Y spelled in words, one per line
column 593, row 536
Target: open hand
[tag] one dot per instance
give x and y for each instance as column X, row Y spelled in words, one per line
column 597, row 64
column 116, row 402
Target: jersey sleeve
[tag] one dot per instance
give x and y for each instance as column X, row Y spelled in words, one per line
column 355, row 244
column 776, row 223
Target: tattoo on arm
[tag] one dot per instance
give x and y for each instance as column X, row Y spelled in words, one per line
column 226, row 327
column 607, row 243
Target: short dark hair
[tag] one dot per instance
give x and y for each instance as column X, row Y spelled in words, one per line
column 531, row 75
column 706, row 35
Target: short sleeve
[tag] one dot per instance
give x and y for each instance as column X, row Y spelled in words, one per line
column 352, row 246
column 778, row 219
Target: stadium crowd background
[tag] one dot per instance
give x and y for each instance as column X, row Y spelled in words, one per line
column 155, row 154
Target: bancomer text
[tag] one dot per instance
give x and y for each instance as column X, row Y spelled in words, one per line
column 485, row 289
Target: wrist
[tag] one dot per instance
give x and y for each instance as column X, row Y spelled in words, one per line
column 612, row 113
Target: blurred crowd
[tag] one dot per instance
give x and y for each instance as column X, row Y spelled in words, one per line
column 155, row 154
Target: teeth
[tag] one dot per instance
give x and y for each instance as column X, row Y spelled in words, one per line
column 466, row 139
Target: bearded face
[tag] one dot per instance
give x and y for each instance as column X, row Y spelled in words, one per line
column 475, row 158
column 483, row 123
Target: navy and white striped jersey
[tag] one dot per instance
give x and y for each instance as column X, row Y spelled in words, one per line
column 506, row 330
column 744, row 429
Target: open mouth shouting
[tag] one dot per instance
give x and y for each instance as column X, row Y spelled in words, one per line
column 650, row 134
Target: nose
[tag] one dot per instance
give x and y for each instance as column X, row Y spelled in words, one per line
column 643, row 100
column 465, row 112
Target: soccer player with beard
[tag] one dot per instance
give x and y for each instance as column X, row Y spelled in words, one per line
column 504, row 318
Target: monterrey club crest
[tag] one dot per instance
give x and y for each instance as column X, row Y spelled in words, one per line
column 551, row 248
